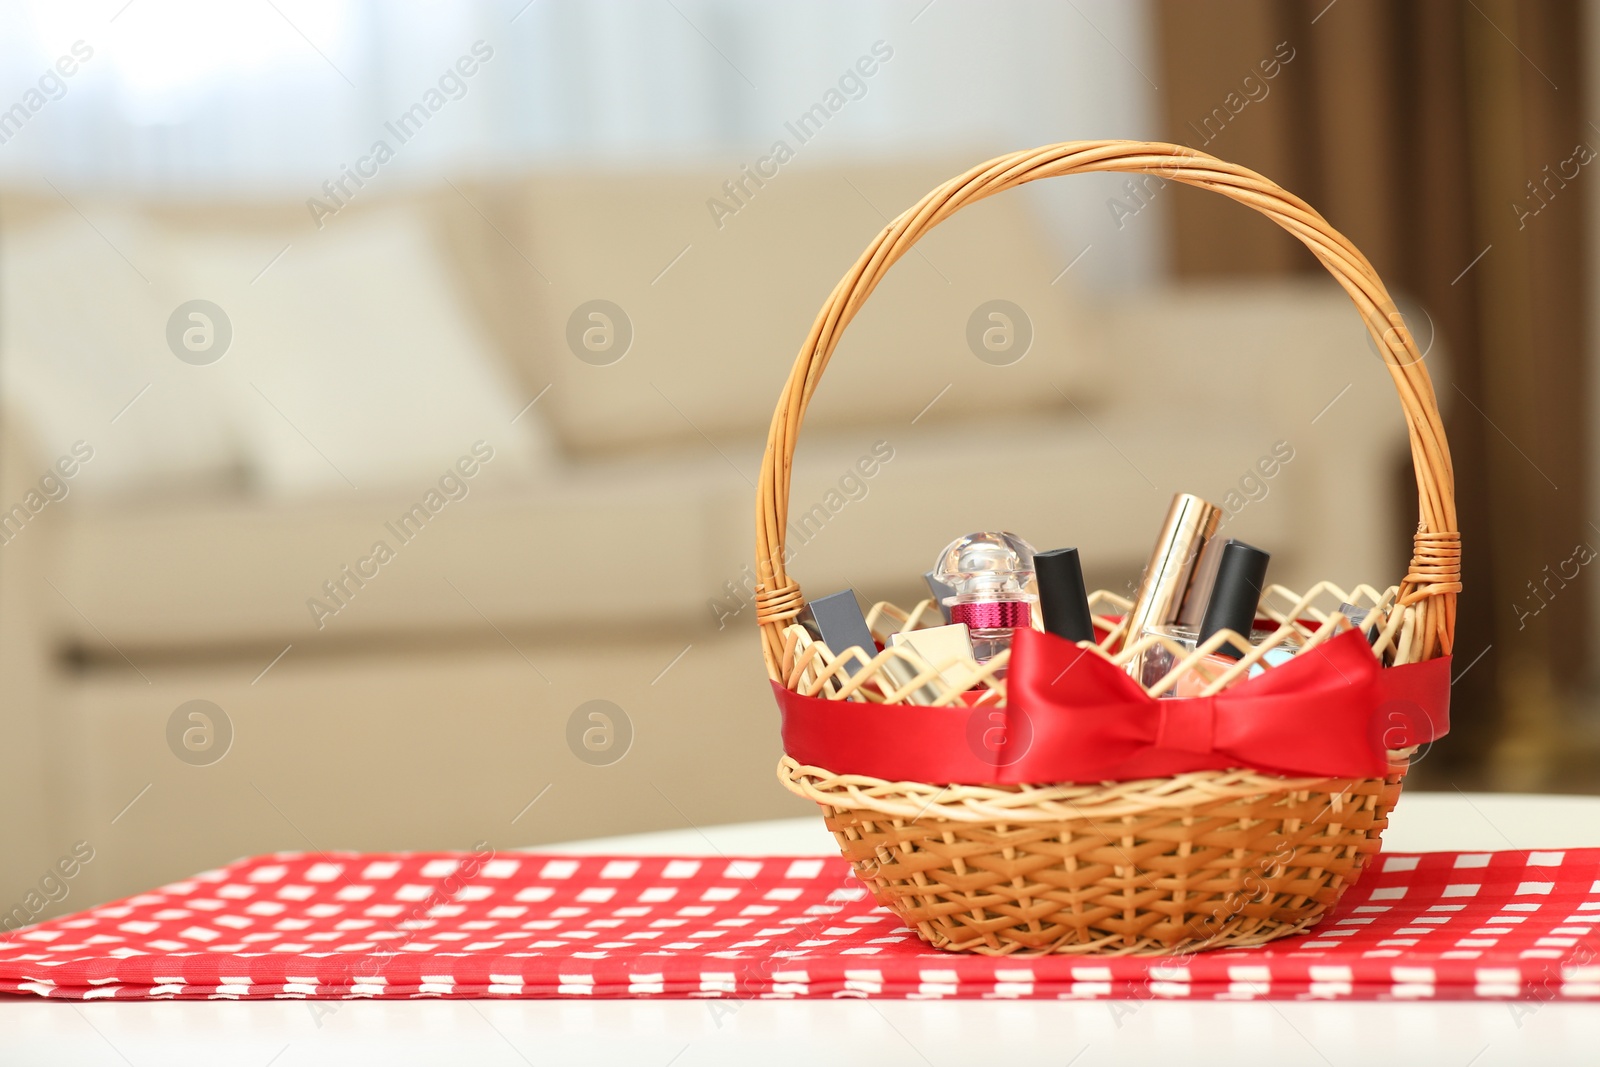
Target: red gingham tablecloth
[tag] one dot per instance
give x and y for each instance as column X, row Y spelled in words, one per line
column 1495, row 925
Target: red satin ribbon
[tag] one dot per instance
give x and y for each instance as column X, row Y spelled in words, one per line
column 1073, row 717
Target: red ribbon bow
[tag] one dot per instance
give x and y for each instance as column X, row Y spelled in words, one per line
column 1309, row 716
column 1071, row 716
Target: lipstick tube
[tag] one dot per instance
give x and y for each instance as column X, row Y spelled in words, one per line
column 1190, row 523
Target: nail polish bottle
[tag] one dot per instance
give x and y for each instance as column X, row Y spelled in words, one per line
column 1357, row 614
column 1235, row 595
column 989, row 573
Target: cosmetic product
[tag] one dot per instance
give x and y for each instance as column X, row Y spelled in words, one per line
column 989, row 573
column 938, row 645
column 1356, row 615
column 941, row 593
column 1189, row 525
column 1241, row 575
column 900, row 674
column 1235, row 595
column 837, row 622
column 1063, row 598
column 1201, row 581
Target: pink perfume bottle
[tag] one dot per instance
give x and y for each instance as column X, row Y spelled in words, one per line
column 989, row 573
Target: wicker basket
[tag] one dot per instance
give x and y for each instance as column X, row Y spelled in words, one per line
column 1157, row 866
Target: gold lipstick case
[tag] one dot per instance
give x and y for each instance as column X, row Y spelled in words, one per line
column 1190, row 523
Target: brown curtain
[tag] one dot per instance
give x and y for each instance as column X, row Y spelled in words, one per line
column 1448, row 141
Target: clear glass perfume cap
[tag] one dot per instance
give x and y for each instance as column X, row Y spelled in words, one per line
column 986, row 566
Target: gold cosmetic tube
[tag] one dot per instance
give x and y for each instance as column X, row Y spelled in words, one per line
column 1201, row 580
column 1190, row 524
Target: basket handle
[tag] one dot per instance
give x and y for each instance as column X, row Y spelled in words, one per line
column 1434, row 578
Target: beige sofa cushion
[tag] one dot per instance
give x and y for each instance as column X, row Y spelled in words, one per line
column 718, row 313
column 337, row 374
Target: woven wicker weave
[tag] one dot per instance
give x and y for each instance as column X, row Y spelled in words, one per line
column 1163, row 865
column 1150, row 867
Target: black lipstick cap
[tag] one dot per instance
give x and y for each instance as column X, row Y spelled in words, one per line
column 1241, row 575
column 1063, row 599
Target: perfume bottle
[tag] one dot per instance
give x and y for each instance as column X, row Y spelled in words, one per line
column 989, row 573
column 1240, row 577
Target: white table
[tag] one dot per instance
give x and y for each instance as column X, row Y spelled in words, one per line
column 685, row 1033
